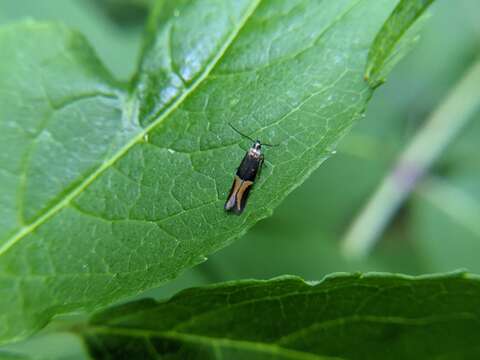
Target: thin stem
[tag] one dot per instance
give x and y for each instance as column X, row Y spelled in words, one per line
column 428, row 144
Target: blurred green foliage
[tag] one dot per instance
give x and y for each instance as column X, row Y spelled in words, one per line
column 302, row 237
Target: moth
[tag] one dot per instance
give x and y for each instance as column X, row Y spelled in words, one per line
column 244, row 179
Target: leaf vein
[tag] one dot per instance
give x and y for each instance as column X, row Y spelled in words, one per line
column 26, row 230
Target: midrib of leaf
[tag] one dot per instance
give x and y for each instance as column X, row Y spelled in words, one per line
column 268, row 348
column 24, row 231
column 27, row 157
column 393, row 320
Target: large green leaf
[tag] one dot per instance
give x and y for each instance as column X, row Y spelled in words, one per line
column 347, row 316
column 108, row 190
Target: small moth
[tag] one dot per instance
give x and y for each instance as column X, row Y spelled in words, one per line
column 250, row 166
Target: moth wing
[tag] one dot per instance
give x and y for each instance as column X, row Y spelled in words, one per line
column 242, row 196
column 249, row 167
column 232, row 196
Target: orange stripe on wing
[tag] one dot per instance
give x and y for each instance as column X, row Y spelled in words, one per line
column 245, row 185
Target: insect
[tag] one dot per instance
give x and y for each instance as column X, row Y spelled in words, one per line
column 250, row 166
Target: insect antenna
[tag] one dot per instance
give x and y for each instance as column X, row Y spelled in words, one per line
column 238, row 131
column 271, row 145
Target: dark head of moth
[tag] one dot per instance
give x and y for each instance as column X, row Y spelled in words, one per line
column 250, row 166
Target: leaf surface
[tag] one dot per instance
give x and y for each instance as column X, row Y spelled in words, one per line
column 108, row 189
column 391, row 41
column 345, row 316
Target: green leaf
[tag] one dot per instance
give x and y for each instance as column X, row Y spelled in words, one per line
column 385, row 50
column 107, row 190
column 347, row 316
column 4, row 355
